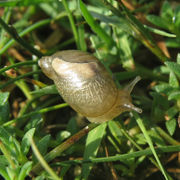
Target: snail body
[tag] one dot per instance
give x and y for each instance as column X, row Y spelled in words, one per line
column 86, row 86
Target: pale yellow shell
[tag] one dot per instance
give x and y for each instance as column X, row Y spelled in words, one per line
column 85, row 85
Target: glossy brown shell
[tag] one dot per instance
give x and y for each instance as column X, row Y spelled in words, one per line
column 82, row 81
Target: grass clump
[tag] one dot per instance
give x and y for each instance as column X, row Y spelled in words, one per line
column 42, row 138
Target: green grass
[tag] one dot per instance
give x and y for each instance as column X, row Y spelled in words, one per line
column 42, row 138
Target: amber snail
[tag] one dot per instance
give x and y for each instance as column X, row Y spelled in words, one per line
column 84, row 83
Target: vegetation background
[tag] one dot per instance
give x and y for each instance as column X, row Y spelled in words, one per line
column 42, row 138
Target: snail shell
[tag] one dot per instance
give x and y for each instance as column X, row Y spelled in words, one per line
column 86, row 86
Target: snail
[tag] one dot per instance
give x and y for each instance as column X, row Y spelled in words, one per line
column 84, row 83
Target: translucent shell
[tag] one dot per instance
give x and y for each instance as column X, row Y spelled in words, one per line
column 85, row 85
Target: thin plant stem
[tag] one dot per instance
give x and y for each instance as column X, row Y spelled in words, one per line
column 149, row 141
column 24, row 88
column 135, row 144
column 21, row 84
column 95, row 26
column 6, row 17
column 12, row 31
column 17, row 65
column 168, row 138
column 71, row 20
column 31, row 28
column 43, row 162
column 121, row 157
column 17, row 78
column 41, row 111
column 65, row 145
column 24, row 32
column 7, row 155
